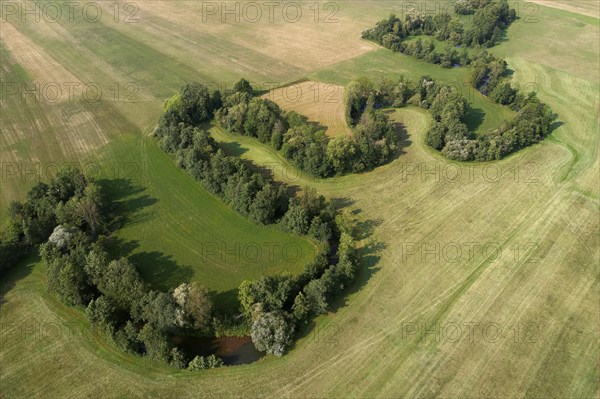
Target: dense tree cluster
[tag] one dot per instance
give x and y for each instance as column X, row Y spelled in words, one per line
column 68, row 199
column 449, row 134
column 248, row 192
column 278, row 305
column 12, row 248
column 490, row 18
column 305, row 143
column 69, row 219
column 425, row 49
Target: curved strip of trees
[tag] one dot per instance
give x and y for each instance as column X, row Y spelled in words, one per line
column 304, row 143
column 449, row 133
column 490, row 18
column 273, row 307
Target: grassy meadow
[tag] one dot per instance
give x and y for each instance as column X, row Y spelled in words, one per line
column 478, row 280
column 176, row 231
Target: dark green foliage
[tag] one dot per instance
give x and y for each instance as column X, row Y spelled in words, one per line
column 68, row 198
column 375, row 140
column 11, row 248
column 268, row 292
column 466, row 7
column 448, row 133
column 65, row 269
column 198, row 306
column 261, row 210
column 261, row 118
column 101, row 313
column 319, row 229
column 301, row 309
column 341, row 153
column 156, row 308
column 243, row 86
column 126, row 338
column 118, row 279
column 177, row 359
column 196, row 104
column 295, row 220
column 316, row 293
column 154, row 342
column 313, row 270
column 490, row 18
column 504, row 94
column 356, row 96
column 306, row 146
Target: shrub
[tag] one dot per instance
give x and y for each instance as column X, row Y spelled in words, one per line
column 202, row 363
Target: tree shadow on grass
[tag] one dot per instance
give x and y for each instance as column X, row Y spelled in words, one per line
column 503, row 36
column 128, row 202
column 161, row 271
column 403, row 138
column 234, row 148
column 342, row 202
column 226, row 302
column 119, row 247
column 474, row 118
column 365, row 228
column 8, row 280
column 369, row 255
column 555, row 125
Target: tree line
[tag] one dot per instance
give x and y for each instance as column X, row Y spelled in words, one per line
column 70, row 221
column 490, row 18
column 305, row 144
column 449, row 134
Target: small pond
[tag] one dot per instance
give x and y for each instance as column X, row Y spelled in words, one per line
column 233, row 350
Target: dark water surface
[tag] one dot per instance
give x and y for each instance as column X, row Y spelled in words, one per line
column 233, row 350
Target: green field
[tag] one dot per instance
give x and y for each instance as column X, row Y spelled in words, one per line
column 175, row 231
column 538, row 209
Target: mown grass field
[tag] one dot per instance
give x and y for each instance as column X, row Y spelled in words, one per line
column 526, row 298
